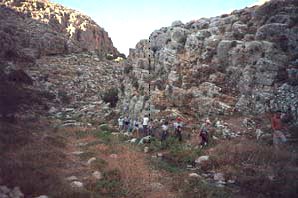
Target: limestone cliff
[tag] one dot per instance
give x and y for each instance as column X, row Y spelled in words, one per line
column 30, row 28
column 245, row 61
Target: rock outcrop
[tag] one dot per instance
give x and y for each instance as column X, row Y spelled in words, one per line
column 246, row 61
column 31, row 28
column 52, row 62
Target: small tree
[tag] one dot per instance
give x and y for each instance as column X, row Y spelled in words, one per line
column 111, row 96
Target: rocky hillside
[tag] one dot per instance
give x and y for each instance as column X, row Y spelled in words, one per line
column 53, row 57
column 30, row 28
column 245, row 61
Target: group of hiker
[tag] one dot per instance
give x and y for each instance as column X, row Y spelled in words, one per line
column 142, row 127
column 160, row 128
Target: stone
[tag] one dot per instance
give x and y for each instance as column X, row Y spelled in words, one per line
column 4, row 196
column 219, row 177
column 77, row 152
column 156, row 186
column 76, row 184
column 92, row 159
column 201, row 159
column 53, row 110
column 189, row 166
column 259, row 133
column 230, row 181
column 194, row 175
column 220, row 185
column 133, row 140
column 177, row 24
column 146, row 149
column 145, row 139
column 97, row 175
column 16, row 193
column 114, row 156
column 72, row 178
column 4, row 189
column 179, row 35
column 159, row 154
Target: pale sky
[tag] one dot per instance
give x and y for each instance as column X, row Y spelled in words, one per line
column 129, row 21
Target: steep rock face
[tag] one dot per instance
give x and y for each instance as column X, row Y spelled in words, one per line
column 51, row 62
column 30, row 28
column 246, row 61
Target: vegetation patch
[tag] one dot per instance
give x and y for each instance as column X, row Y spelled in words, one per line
column 257, row 169
column 86, row 155
column 161, row 164
column 111, row 96
column 109, row 186
column 104, row 136
column 196, row 188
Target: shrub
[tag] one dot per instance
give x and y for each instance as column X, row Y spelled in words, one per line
column 128, row 69
column 135, row 82
column 196, row 188
column 252, row 165
column 110, row 186
column 181, row 154
column 111, row 96
column 65, row 98
column 109, row 56
column 122, row 88
column 105, row 136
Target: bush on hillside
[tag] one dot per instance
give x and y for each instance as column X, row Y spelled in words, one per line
column 111, row 96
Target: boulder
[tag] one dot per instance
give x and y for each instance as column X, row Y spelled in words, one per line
column 219, row 177
column 91, row 160
column 202, row 159
column 193, row 175
column 77, row 184
column 97, row 175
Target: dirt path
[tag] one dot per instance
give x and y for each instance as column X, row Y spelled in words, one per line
column 138, row 178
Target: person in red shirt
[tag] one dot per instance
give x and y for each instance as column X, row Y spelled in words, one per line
column 277, row 126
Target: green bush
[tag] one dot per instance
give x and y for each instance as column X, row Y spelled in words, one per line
column 181, row 154
column 195, row 188
column 111, row 96
column 135, row 82
column 110, row 57
column 128, row 69
column 104, row 127
column 165, row 165
column 99, row 164
column 105, row 136
column 111, row 184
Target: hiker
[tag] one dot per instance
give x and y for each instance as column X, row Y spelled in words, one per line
column 178, row 128
column 165, row 131
column 204, row 133
column 150, row 127
column 126, row 123
column 130, row 126
column 120, row 123
column 278, row 136
column 136, row 127
column 145, row 125
column 179, row 133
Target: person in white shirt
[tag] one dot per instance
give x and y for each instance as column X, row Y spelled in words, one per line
column 120, row 123
column 145, row 125
column 165, row 131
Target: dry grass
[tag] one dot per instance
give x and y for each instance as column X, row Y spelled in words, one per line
column 134, row 173
column 29, row 161
column 258, row 169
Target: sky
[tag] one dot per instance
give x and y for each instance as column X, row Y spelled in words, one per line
column 129, row 21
